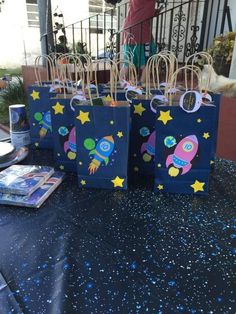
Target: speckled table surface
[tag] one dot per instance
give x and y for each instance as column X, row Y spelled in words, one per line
column 94, row 251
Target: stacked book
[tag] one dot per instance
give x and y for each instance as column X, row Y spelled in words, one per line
column 28, row 186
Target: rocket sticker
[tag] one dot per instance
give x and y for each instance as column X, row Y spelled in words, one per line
column 70, row 145
column 184, row 153
column 101, row 151
column 148, row 148
column 44, row 119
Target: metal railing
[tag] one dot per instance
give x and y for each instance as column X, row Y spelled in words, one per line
column 184, row 27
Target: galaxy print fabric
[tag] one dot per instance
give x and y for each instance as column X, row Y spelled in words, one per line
column 106, row 251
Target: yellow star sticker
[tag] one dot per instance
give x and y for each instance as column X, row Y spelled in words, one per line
column 198, row 186
column 160, row 187
column 83, row 117
column 35, row 95
column 206, row 135
column 108, row 98
column 36, row 144
column 120, row 134
column 58, row 108
column 165, row 116
column 199, row 120
column 83, row 182
column 118, row 182
column 61, row 167
column 139, row 109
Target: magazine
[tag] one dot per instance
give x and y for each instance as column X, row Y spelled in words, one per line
column 23, row 180
column 38, row 197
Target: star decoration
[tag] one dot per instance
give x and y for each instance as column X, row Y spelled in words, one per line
column 139, row 109
column 83, row 117
column 58, row 108
column 136, row 169
column 199, row 120
column 160, row 187
column 108, row 98
column 206, row 135
column 165, row 116
column 36, row 144
column 35, row 95
column 159, row 165
column 83, row 182
column 80, row 163
column 61, row 167
column 118, row 182
column 212, row 162
column 197, row 186
column 120, row 134
column 111, row 122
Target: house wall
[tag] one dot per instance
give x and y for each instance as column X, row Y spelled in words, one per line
column 20, row 44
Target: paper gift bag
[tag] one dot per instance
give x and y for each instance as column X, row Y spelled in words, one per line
column 39, row 109
column 63, row 128
column 205, row 78
column 122, row 82
column 185, row 132
column 102, row 140
column 143, row 118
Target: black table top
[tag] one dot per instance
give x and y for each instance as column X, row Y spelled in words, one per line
column 97, row 251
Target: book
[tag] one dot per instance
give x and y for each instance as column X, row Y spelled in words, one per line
column 38, row 197
column 22, row 179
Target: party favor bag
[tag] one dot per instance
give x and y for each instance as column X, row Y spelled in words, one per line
column 39, row 109
column 185, row 132
column 63, row 128
column 102, row 140
column 208, row 95
column 143, row 118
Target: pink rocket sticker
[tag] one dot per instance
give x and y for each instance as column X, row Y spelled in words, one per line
column 149, row 147
column 184, row 153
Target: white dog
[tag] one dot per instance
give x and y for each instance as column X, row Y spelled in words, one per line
column 217, row 83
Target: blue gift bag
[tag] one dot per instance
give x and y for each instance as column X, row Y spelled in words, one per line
column 184, row 144
column 142, row 137
column 102, row 140
column 40, row 116
column 63, row 131
column 217, row 101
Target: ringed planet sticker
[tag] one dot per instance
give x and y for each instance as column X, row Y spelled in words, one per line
column 191, row 101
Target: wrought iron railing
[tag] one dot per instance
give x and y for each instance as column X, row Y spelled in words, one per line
column 183, row 27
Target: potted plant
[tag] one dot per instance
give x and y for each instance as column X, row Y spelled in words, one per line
column 221, row 51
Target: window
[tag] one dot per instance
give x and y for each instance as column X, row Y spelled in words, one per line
column 32, row 13
column 103, row 10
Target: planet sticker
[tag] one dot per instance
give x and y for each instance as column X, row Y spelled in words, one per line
column 144, row 131
column 63, row 130
column 89, row 143
column 169, row 141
